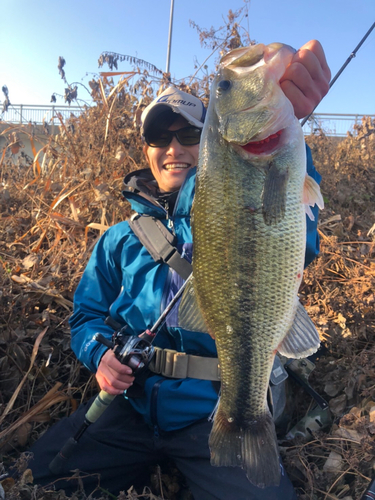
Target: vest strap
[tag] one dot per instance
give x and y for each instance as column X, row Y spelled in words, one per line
column 174, row 364
column 159, row 242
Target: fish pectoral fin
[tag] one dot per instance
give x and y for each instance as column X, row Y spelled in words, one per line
column 302, row 340
column 274, row 195
column 311, row 195
column 189, row 315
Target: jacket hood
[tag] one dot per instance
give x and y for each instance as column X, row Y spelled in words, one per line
column 141, row 190
column 142, row 181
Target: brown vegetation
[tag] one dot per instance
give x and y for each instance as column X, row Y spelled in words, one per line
column 55, row 206
column 54, row 210
column 338, row 292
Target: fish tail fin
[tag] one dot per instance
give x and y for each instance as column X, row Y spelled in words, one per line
column 254, row 449
column 225, row 442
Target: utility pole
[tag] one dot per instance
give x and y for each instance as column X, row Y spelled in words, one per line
column 170, row 37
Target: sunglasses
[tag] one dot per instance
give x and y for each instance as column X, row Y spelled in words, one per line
column 188, row 136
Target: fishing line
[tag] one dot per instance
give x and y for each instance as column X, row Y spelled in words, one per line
column 352, row 55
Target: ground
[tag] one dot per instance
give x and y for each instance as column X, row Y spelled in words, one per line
column 53, row 210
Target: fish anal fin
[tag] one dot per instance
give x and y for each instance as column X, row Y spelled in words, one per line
column 311, row 195
column 189, row 315
column 274, row 195
column 254, row 448
column 303, row 339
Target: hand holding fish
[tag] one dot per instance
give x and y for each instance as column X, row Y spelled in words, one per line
column 306, row 80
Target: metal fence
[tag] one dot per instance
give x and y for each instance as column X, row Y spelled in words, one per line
column 332, row 124
column 35, row 114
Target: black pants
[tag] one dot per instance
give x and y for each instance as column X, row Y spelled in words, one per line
column 120, row 447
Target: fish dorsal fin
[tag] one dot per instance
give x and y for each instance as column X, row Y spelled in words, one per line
column 189, row 315
column 302, row 340
column 312, row 195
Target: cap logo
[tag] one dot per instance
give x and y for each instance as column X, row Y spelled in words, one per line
column 169, row 99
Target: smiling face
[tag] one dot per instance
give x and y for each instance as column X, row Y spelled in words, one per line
column 171, row 164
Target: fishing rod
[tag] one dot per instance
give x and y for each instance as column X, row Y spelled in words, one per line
column 352, row 55
column 136, row 352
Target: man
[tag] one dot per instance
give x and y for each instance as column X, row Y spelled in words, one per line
column 168, row 419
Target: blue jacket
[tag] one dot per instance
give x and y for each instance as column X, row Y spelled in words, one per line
column 123, row 281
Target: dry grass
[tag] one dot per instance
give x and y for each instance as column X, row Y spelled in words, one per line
column 55, row 206
column 338, row 292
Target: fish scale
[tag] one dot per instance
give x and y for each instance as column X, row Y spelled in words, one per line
column 249, row 234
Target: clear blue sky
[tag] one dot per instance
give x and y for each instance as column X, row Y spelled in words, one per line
column 34, row 34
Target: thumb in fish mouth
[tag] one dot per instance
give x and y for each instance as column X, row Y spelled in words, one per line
column 281, row 56
column 249, row 56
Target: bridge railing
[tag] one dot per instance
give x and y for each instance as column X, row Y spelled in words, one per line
column 38, row 114
column 332, row 124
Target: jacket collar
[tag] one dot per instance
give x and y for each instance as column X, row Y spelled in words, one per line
column 141, row 190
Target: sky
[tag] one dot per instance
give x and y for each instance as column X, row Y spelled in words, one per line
column 34, row 34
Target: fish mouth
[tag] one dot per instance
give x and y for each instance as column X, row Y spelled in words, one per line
column 265, row 146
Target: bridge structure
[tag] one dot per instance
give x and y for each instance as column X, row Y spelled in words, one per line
column 34, row 114
column 333, row 124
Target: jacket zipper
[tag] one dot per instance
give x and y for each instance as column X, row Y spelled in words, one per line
column 171, row 218
column 154, row 405
column 155, row 389
column 170, row 224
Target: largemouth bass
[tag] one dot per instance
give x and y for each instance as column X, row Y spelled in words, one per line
column 249, row 236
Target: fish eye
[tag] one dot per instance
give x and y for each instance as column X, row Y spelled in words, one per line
column 224, row 84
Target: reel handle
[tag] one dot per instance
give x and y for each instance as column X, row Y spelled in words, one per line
column 103, row 340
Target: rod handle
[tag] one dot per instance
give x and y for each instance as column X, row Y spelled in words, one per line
column 98, row 406
column 58, row 463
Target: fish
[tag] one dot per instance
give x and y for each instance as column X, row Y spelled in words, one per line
column 249, row 236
